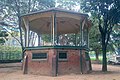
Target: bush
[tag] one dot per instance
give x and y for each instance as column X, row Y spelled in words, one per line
column 10, row 53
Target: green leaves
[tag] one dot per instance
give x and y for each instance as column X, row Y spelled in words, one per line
column 10, row 52
column 2, row 41
column 3, row 35
column 95, row 37
column 115, row 36
column 108, row 15
column 68, row 4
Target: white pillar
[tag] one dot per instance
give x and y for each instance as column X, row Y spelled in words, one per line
column 54, row 28
column 82, row 34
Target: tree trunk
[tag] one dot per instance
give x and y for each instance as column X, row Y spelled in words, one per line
column 104, row 66
column 17, row 5
column 19, row 19
column 90, row 64
column 97, row 55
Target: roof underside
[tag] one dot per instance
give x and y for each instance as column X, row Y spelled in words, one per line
column 66, row 21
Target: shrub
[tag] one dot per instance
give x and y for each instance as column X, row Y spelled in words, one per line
column 10, row 52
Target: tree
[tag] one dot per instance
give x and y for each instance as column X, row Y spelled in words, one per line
column 94, row 37
column 68, row 4
column 3, row 35
column 115, row 36
column 108, row 14
column 13, row 9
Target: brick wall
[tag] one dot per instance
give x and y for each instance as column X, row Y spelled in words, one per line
column 42, row 67
column 71, row 65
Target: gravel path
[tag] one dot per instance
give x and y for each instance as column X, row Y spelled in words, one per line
column 13, row 71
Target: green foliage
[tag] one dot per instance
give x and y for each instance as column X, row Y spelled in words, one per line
column 94, row 35
column 93, row 58
column 11, row 10
column 2, row 41
column 10, row 53
column 46, row 37
column 115, row 39
column 107, row 13
column 71, row 38
column 68, row 4
column 74, row 39
column 3, row 35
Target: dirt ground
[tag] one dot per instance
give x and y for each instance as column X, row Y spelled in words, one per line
column 12, row 71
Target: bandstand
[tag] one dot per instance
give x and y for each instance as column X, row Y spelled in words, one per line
column 62, row 42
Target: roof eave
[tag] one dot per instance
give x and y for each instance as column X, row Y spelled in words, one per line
column 56, row 10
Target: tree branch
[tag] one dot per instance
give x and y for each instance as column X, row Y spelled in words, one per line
column 99, row 24
column 29, row 6
column 13, row 36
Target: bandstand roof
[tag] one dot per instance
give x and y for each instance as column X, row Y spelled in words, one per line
column 66, row 21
